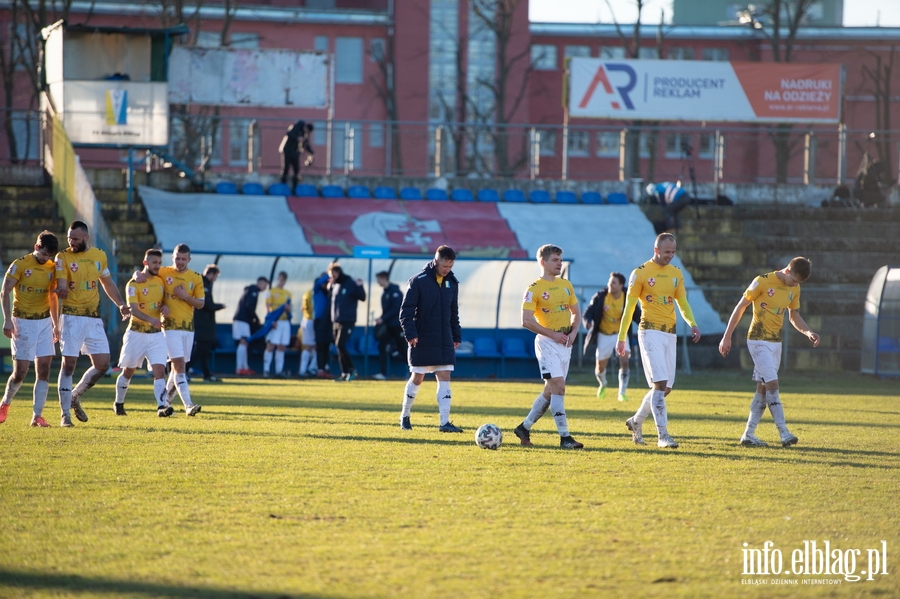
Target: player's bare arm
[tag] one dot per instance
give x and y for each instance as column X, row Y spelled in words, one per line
column 576, row 325
column 531, row 323
column 733, row 320
column 113, row 293
column 9, row 327
column 137, row 313
column 180, row 293
column 803, row 328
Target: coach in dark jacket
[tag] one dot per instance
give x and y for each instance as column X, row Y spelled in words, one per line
column 205, row 324
column 429, row 316
column 387, row 327
column 345, row 296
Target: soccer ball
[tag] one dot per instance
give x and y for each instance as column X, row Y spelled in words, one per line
column 488, row 436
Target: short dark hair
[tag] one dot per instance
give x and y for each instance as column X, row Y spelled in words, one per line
column 258, row 279
column 283, row 274
column 445, row 252
column 153, row 252
column 383, row 275
column 77, row 224
column 310, row 126
column 800, row 267
column 182, row 248
column 334, row 267
column 48, row 241
column 619, row 277
column 211, row 269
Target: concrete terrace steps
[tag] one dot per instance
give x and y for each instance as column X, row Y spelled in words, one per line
column 129, row 224
column 26, row 211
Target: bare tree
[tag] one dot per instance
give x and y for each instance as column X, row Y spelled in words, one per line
column 386, row 89
column 880, row 76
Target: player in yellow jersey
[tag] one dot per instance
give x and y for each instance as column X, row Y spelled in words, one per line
column 144, row 337
column 307, row 334
column 184, row 293
column 31, row 323
column 602, row 318
column 79, row 269
column 279, row 336
column 771, row 295
column 659, row 286
column 549, row 309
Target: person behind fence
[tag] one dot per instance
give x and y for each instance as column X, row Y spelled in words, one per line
column 205, row 325
column 673, row 199
column 279, row 336
column 295, row 142
column 245, row 319
column 387, row 327
column 345, row 296
column 867, row 186
column 429, row 315
column 30, row 321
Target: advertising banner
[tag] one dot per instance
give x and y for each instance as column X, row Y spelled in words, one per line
column 693, row 90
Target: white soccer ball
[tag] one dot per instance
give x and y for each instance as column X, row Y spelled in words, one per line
column 488, row 436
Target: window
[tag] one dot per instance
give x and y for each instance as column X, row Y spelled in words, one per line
column 25, row 132
column 644, row 144
column 648, row 53
column 340, row 140
column 244, row 40
column 681, row 53
column 208, row 39
column 348, row 60
column 608, row 144
column 579, row 142
column 320, row 134
column 191, row 136
column 543, row 57
column 719, row 54
column 237, row 141
column 23, row 47
column 376, row 135
column 321, row 44
column 677, row 144
column 548, row 142
column 707, row 146
column 612, row 52
column 570, row 51
column 376, row 50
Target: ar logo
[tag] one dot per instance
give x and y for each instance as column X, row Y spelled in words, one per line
column 621, row 91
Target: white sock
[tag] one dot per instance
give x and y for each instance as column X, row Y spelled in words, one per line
column 644, row 409
column 306, row 357
column 624, row 375
column 279, row 362
column 40, row 395
column 757, row 409
column 537, row 410
column 181, row 385
column 444, row 397
column 558, row 409
column 313, row 361
column 409, row 396
column 774, row 402
column 170, row 387
column 88, row 380
column 601, row 377
column 11, row 389
column 121, row 388
column 660, row 416
column 240, row 357
column 159, row 392
column 64, row 389
column 267, row 361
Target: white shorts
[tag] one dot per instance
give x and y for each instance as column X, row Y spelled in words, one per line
column 240, row 330
column 553, row 358
column 606, row 346
column 33, row 339
column 280, row 333
column 428, row 369
column 308, row 332
column 82, row 335
column 136, row 346
column 179, row 344
column 658, row 351
column 766, row 359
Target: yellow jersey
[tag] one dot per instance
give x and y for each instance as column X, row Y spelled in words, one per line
column 657, row 287
column 149, row 298
column 278, row 297
column 770, row 298
column 550, row 301
column 34, row 281
column 612, row 314
column 80, row 273
column 308, row 305
column 181, row 313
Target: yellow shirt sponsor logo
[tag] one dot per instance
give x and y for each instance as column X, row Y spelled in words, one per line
column 31, row 295
column 81, row 272
column 657, row 287
column 149, row 299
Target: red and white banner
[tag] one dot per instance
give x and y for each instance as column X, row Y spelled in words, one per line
column 693, row 90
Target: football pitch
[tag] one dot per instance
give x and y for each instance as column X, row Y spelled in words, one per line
column 308, row 489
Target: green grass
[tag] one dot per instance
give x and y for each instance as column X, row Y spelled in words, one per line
column 310, row 489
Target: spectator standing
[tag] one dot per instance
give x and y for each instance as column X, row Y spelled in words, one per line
column 205, row 324
column 245, row 319
column 322, row 324
column 345, row 296
column 387, row 327
column 293, row 144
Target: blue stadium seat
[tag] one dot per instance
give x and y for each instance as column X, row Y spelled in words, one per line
column 886, row 345
column 410, row 193
column 488, row 195
column 332, row 191
column 279, row 189
column 591, row 197
column 513, row 195
column 226, row 187
column 385, row 193
column 486, row 347
column 360, row 192
column 617, row 197
column 461, row 194
column 252, row 189
column 513, row 347
column 436, row 195
column 305, row 190
column 566, row 197
column 539, row 196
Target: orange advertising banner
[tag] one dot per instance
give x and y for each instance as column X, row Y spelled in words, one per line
column 791, row 91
